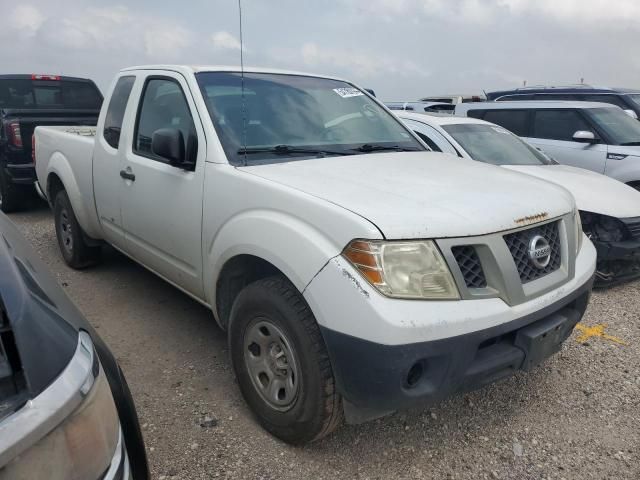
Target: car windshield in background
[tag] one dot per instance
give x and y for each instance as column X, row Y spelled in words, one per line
column 635, row 97
column 280, row 117
column 495, row 145
column 59, row 94
column 619, row 127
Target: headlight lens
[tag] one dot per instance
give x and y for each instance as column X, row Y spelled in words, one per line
column 84, row 444
column 403, row 269
column 579, row 232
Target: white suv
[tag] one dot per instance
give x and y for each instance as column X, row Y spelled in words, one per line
column 595, row 136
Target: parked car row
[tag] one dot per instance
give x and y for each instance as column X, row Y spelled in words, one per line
column 609, row 209
column 355, row 271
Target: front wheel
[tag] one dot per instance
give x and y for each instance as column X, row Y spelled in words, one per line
column 73, row 245
column 281, row 362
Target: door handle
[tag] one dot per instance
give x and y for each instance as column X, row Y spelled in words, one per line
column 127, row 175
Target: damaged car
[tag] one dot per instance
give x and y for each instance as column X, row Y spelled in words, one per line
column 609, row 209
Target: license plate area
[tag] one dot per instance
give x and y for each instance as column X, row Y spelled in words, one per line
column 544, row 338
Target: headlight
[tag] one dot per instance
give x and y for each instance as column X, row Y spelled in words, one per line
column 79, row 420
column 578, row 230
column 403, row 269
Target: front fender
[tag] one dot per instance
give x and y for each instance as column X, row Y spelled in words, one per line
column 81, row 201
column 626, row 170
column 294, row 246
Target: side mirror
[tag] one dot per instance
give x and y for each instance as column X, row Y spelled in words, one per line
column 169, row 143
column 632, row 114
column 584, row 136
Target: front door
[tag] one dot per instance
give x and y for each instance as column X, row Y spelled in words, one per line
column 161, row 203
column 552, row 131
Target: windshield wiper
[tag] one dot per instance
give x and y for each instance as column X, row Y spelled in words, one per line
column 367, row 147
column 630, row 144
column 286, row 149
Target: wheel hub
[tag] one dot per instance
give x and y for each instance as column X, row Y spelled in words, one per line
column 66, row 231
column 271, row 364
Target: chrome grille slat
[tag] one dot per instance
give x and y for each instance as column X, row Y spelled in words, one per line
column 518, row 244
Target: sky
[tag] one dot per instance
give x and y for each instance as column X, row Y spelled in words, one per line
column 403, row 49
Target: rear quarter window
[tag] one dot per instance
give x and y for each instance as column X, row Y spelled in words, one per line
column 115, row 112
column 558, row 124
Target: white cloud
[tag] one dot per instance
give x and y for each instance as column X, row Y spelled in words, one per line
column 578, row 10
column 26, row 18
column 166, row 42
column 485, row 11
column 225, row 41
column 357, row 62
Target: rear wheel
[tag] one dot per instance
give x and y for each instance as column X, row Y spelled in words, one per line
column 12, row 196
column 281, row 362
column 71, row 239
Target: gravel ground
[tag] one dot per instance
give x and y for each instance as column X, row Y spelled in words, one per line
column 576, row 416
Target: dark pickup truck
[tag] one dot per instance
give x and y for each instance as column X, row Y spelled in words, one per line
column 27, row 101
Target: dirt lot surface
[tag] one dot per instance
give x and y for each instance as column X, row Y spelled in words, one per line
column 575, row 417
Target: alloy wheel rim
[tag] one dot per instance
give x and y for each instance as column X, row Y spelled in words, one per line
column 271, row 364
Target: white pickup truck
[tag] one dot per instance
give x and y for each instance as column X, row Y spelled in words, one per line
column 355, row 273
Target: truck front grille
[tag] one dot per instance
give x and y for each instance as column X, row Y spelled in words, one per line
column 470, row 266
column 519, row 246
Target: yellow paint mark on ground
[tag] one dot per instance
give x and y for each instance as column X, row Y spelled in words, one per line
column 596, row 331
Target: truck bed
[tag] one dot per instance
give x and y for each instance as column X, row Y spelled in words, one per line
column 66, row 151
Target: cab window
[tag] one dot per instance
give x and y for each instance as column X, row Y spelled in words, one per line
column 116, row 109
column 164, row 105
column 558, row 124
column 513, row 120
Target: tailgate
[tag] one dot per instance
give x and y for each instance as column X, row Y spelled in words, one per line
column 29, row 120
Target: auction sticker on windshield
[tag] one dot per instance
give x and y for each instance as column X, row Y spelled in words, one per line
column 348, row 92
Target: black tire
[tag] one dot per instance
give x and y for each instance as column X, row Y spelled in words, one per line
column 635, row 185
column 316, row 410
column 71, row 239
column 12, row 197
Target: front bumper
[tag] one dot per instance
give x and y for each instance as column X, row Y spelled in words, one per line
column 618, row 262
column 374, row 342
column 377, row 379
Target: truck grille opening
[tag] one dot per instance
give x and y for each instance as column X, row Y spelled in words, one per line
column 13, row 386
column 519, row 245
column 470, row 266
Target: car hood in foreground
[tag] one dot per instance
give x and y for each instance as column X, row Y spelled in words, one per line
column 593, row 192
column 422, row 194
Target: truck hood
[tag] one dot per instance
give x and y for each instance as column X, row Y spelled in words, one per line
column 423, row 194
column 593, row 192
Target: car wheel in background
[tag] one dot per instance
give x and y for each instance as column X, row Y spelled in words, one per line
column 281, row 362
column 71, row 239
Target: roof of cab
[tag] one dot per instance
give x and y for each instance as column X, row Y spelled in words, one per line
column 189, row 69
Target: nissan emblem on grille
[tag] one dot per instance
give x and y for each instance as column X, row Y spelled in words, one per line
column 539, row 251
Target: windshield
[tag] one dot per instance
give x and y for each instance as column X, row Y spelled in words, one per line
column 286, row 117
column 495, row 145
column 58, row 94
column 619, row 127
